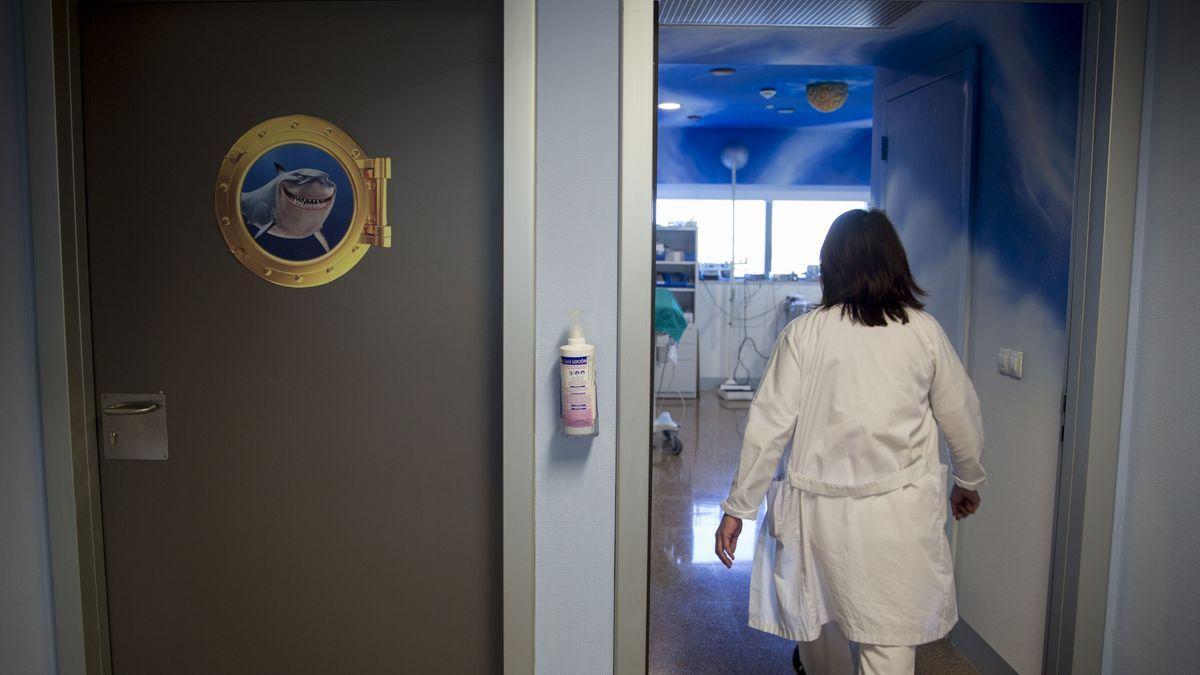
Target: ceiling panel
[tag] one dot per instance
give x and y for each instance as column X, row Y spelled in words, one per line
column 809, row 13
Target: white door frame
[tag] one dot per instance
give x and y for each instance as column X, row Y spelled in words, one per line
column 518, row 334
column 1101, row 260
column 635, row 334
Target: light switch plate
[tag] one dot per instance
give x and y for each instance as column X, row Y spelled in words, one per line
column 1010, row 362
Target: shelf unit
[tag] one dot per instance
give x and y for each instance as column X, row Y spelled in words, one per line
column 683, row 378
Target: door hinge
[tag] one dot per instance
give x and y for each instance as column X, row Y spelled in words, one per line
column 1062, row 421
column 883, row 148
column 376, row 172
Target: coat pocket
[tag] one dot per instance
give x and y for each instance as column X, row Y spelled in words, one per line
column 783, row 511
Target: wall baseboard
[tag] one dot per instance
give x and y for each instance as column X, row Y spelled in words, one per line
column 978, row 651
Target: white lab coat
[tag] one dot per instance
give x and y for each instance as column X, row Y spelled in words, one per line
column 854, row 529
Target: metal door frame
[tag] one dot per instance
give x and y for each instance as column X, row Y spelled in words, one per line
column 64, row 338
column 62, row 301
column 1109, row 125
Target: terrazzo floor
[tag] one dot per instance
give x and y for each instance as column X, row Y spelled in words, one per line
column 697, row 607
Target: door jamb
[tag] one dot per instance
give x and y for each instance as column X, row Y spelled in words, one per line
column 62, row 303
column 518, row 339
column 1098, row 322
column 635, row 336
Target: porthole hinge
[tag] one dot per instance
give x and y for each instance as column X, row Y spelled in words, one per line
column 376, row 172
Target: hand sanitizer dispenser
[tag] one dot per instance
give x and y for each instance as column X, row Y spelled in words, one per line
column 577, row 368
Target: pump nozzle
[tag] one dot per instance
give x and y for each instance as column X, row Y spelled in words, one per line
column 575, row 336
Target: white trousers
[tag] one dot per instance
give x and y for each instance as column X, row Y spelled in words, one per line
column 830, row 654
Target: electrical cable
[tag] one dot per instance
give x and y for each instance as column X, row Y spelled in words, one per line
column 658, row 391
column 722, row 310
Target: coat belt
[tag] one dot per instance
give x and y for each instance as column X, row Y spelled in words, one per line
column 876, row 487
column 784, row 510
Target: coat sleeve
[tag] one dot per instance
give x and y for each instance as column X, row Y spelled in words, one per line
column 769, row 427
column 956, row 409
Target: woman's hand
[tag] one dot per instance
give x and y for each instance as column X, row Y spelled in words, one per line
column 964, row 502
column 727, row 536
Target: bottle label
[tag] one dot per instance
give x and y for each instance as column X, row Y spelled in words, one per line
column 578, row 394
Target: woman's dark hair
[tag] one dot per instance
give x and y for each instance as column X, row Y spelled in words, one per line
column 864, row 270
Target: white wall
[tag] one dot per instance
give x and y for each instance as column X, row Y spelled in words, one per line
column 26, row 624
column 765, row 318
column 578, row 45
column 1154, row 604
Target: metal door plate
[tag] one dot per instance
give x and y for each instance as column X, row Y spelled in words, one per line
column 133, row 426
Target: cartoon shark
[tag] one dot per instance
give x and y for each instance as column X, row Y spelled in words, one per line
column 293, row 205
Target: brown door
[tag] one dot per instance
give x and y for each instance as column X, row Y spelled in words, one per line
column 331, row 499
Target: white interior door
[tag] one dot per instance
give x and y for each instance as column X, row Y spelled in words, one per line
column 928, row 127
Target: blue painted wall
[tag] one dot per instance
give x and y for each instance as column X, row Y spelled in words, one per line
column 1021, row 229
column 804, row 156
column 1029, row 100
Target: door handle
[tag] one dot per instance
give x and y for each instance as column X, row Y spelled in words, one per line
column 131, row 408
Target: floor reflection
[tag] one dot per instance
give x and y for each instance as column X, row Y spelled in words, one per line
column 705, row 518
column 697, row 607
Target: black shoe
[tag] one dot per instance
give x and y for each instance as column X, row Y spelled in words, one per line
column 796, row 660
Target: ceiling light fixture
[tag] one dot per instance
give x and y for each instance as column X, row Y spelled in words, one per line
column 827, row 96
column 669, row 105
column 767, row 92
column 693, row 117
column 725, row 70
column 786, row 111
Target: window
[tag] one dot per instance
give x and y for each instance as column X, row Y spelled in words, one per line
column 714, row 230
column 798, row 229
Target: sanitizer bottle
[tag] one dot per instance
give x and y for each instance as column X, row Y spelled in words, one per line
column 578, row 378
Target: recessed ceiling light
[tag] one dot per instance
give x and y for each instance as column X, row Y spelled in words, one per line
column 786, row 111
column 669, row 105
column 770, row 106
column 693, row 117
column 767, row 92
column 722, row 71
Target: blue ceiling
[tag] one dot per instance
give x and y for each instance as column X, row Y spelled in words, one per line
column 725, row 101
column 786, row 58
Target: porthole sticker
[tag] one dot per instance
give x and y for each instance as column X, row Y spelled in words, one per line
column 298, row 202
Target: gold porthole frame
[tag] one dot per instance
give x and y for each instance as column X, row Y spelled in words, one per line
column 368, row 177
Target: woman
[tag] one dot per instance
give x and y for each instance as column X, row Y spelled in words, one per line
column 853, row 547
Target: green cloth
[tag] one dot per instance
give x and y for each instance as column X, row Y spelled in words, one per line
column 668, row 315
